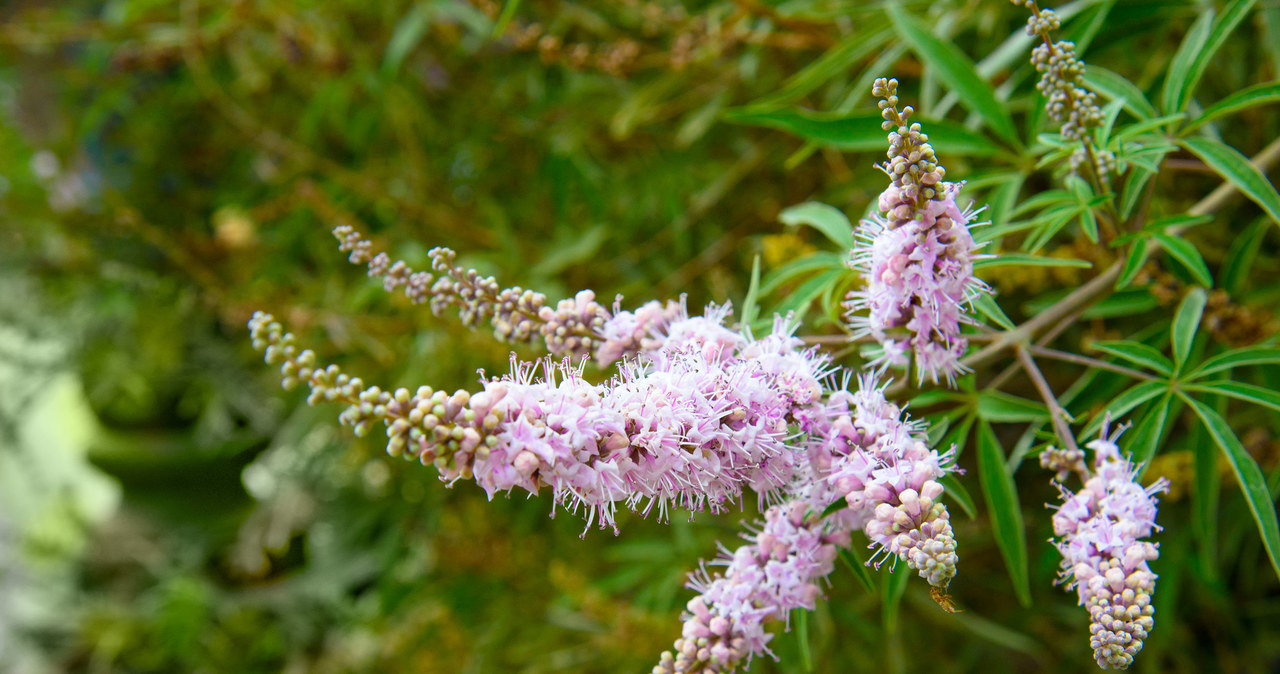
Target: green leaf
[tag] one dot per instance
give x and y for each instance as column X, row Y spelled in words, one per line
column 956, row 490
column 1143, row 440
column 408, row 33
column 986, row 305
column 1235, row 269
column 818, row 261
column 1025, row 260
column 1187, row 255
column 751, row 305
column 860, row 131
column 1249, row 355
column 1173, row 97
column 1258, row 94
column 1001, row 407
column 826, row 219
column 1133, row 263
column 1252, row 483
column 1121, row 404
column 1241, row 391
column 956, row 69
column 802, row 635
column 1185, row 323
column 1117, row 88
column 1137, row 353
column 1235, row 167
column 504, row 18
column 835, row 62
column 1222, row 28
column 858, row 567
column 893, row 586
column 1006, row 512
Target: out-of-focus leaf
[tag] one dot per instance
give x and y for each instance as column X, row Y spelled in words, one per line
column 1222, row 28
column 751, row 304
column 1133, row 263
column 858, row 567
column 955, row 69
column 1137, row 353
column 819, row 261
column 504, row 18
column 986, row 305
column 1024, row 260
column 407, row 35
column 1258, row 94
column 825, row 218
column 836, row 61
column 957, row 491
column 1005, row 511
column 1249, row 355
column 1252, row 483
column 1240, row 257
column 1177, row 80
column 861, row 132
column 802, row 636
column 1142, row 441
column 1185, row 323
column 1187, row 255
column 1235, row 167
column 1117, row 88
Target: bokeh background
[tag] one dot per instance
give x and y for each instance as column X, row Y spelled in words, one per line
column 168, row 167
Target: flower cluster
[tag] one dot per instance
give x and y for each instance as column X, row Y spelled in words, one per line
column 701, row 417
column 915, row 257
column 882, row 468
column 1104, row 558
column 778, row 570
column 1068, row 102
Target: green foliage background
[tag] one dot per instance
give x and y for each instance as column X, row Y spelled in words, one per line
column 166, row 168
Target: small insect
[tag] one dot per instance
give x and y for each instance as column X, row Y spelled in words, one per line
column 944, row 600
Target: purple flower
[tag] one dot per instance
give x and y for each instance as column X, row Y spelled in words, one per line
column 1104, row 559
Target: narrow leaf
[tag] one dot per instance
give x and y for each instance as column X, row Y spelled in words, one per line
column 1252, row 483
column 1235, row 167
column 1025, row 260
column 1001, row 407
column 955, row 68
column 1185, row 323
column 1133, row 263
column 858, row 567
column 1249, row 355
column 1258, row 94
column 986, row 305
column 802, row 635
column 1005, row 511
column 826, row 219
column 1235, row 269
column 1137, row 353
column 751, row 305
column 1241, row 391
column 1172, row 97
column 1117, row 88
column 958, row 493
column 504, row 18
column 1222, row 29
column 860, row 131
column 1187, row 255
column 1121, row 404
column 1143, row 440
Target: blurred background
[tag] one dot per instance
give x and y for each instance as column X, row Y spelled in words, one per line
column 168, row 167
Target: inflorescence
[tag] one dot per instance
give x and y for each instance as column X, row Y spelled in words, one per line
column 1068, row 102
column 915, row 255
column 1104, row 558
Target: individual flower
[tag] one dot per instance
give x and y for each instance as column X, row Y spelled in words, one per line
column 781, row 568
column 916, row 258
column 1100, row 530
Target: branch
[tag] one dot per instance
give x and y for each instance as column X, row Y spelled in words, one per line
column 1056, row 414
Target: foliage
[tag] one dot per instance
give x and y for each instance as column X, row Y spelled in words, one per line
column 168, row 168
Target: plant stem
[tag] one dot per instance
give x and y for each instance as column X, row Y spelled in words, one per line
column 1078, row 359
column 1057, row 414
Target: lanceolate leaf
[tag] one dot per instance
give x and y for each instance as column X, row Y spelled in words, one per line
column 1222, row 29
column 1120, row 406
column 836, row 61
column 1024, row 260
column 1241, row 391
column 826, row 219
column 1235, row 269
column 955, row 69
column 1173, row 96
column 1258, row 94
column 956, row 490
column 1004, row 408
column 1233, row 166
column 1185, row 323
column 1187, row 255
column 751, row 305
column 860, row 131
column 1006, row 512
column 858, row 567
column 1252, row 483
column 1137, row 353
column 1117, row 88
column 1143, row 439
column 1132, row 264
column 1249, row 355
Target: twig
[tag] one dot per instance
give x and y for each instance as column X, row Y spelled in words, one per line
column 1057, row 415
column 1078, row 359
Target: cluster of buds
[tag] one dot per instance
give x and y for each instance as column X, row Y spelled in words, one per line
column 1068, row 102
column 1104, row 558
column 888, row 477
column 777, row 571
column 912, row 164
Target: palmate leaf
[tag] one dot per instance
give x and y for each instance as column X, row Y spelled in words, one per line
column 1252, row 484
column 1006, row 512
column 956, row 69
